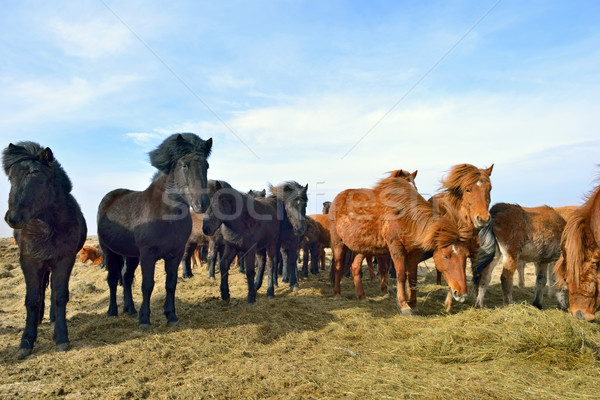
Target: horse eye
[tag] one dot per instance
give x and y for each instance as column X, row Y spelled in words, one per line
column 468, row 190
column 446, row 257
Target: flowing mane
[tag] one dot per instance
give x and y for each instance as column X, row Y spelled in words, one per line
column 578, row 239
column 427, row 227
column 461, row 176
column 31, row 151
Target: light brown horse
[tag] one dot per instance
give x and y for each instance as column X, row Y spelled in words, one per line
column 393, row 219
column 466, row 190
column 579, row 266
column 518, row 235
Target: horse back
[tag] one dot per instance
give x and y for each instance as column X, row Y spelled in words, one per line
column 322, row 222
column 356, row 219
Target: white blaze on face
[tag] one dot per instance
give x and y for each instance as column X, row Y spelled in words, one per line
column 454, row 250
column 479, row 183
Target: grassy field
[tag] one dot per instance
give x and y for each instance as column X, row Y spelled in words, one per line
column 300, row 345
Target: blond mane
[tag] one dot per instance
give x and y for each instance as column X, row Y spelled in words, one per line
column 427, row 228
column 577, row 241
column 461, row 176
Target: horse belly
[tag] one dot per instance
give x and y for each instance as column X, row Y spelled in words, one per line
column 362, row 236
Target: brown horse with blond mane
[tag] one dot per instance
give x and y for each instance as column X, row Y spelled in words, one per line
column 394, row 220
column 466, row 190
column 579, row 266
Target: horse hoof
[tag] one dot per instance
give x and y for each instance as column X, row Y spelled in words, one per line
column 363, row 299
column 406, row 310
column 226, row 302
column 23, row 353
column 212, row 278
column 295, row 288
column 61, row 348
column 337, row 297
column 172, row 324
column 144, row 327
column 271, row 296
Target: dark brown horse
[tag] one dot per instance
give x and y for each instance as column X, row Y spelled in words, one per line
column 155, row 223
column 578, row 268
column 466, row 190
column 247, row 226
column 50, row 230
column 197, row 238
column 289, row 199
column 518, row 235
column 393, row 219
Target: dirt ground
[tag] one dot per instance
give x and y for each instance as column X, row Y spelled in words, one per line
column 299, row 345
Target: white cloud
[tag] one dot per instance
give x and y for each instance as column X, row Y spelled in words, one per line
column 90, row 39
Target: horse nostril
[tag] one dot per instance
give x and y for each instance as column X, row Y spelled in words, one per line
column 579, row 315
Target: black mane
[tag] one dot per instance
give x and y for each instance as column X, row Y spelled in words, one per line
column 31, row 151
column 176, row 146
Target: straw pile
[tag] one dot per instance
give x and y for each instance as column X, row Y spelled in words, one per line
column 300, row 345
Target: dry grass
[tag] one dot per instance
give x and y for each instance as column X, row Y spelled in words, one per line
column 300, row 345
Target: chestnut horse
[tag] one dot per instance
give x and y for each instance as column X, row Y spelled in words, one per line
column 466, row 190
column 154, row 223
column 247, row 226
column 49, row 229
column 393, row 219
column 91, row 253
column 516, row 235
column 578, row 268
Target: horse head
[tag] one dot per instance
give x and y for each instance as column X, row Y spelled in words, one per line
column 294, row 199
column 182, row 156
column 32, row 171
column 225, row 204
column 326, row 207
column 468, row 190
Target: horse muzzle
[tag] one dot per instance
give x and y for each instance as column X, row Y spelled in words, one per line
column 14, row 220
column 459, row 298
column 201, row 203
column 480, row 223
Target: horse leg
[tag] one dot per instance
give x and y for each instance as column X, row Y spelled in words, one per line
column 249, row 258
column 292, row 263
column 270, row 258
column 224, row 264
column 521, row 273
column 114, row 266
column 383, row 267
column 60, row 294
column 412, row 263
column 284, row 265
column 338, row 257
column 305, row 257
column 356, row 269
column 187, row 259
column 51, row 315
column 322, row 258
column 171, row 267
column 540, row 283
column 486, row 277
column 131, row 264
column 553, row 291
column 212, row 260
column 372, row 276
column 314, row 258
column 260, row 269
column 506, row 279
column 34, row 277
column 242, row 262
column 400, row 262
column 148, row 261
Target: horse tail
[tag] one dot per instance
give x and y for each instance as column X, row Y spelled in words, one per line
column 486, row 252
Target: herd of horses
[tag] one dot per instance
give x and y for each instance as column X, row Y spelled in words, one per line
column 182, row 210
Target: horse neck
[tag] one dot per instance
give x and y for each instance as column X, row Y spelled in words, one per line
column 237, row 224
column 160, row 190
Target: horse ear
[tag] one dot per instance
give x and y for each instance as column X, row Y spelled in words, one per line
column 489, row 170
column 11, row 146
column 208, row 146
column 180, row 138
column 46, row 156
column 218, row 186
column 306, row 188
column 414, row 174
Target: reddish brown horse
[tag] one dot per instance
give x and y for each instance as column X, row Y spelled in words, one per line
column 466, row 190
column 393, row 219
column 579, row 266
column 519, row 235
column 91, row 253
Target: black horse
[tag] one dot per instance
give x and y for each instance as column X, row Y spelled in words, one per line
column 289, row 199
column 49, row 229
column 154, row 223
column 246, row 226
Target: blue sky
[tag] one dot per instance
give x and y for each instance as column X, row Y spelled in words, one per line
column 329, row 93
